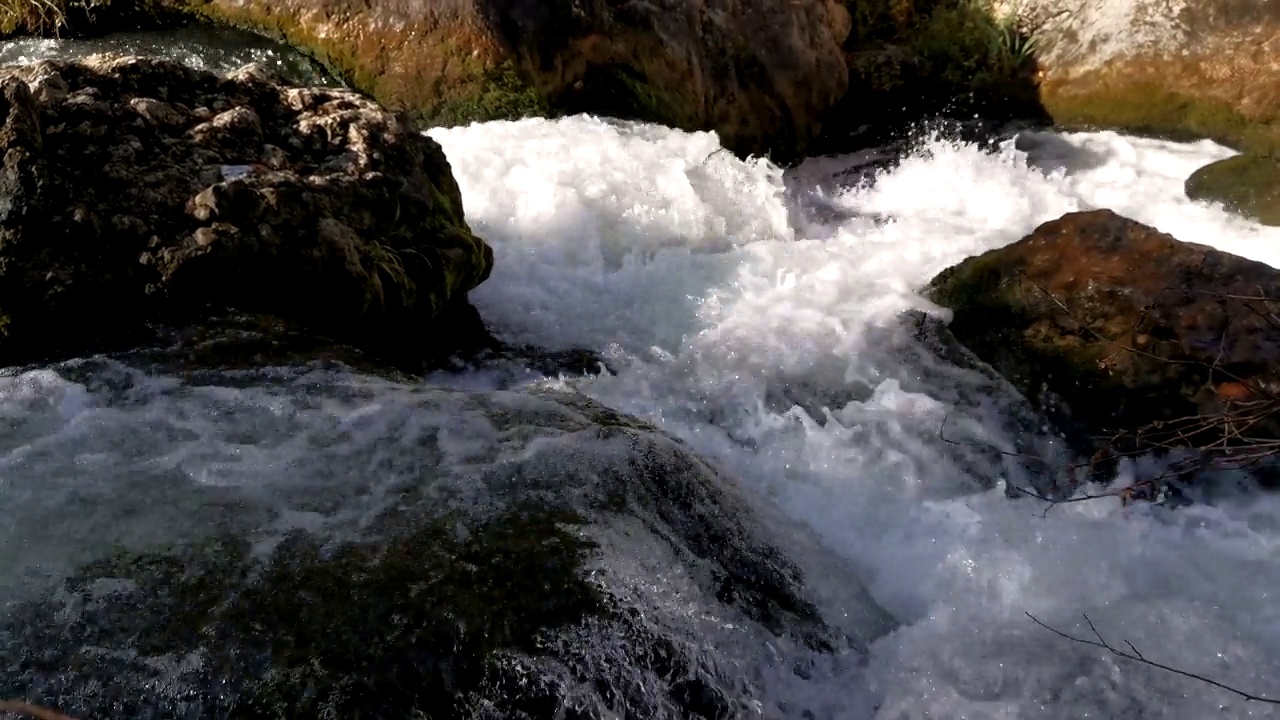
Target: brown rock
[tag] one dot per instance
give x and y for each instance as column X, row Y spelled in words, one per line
column 759, row 72
column 1177, row 68
column 1126, row 324
column 125, row 207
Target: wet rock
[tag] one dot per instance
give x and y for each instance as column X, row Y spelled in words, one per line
column 516, row 555
column 1114, row 327
column 141, row 190
column 1247, row 184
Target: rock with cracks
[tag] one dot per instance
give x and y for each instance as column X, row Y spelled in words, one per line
column 1115, row 327
column 139, row 190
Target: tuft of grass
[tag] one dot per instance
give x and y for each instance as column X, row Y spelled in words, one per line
column 35, row 17
column 79, row 18
column 386, row 270
column 914, row 60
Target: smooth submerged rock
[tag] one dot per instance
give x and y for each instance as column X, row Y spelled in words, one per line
column 1125, row 324
column 1247, row 184
column 505, row 555
column 138, row 189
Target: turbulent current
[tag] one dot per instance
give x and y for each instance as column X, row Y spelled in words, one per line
column 753, row 313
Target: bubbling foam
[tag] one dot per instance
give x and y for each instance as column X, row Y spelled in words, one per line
column 773, row 346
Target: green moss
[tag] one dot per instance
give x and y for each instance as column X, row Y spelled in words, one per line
column 1146, row 108
column 182, row 593
column 625, row 92
column 1247, row 184
column 361, row 629
column 497, row 93
column 471, row 90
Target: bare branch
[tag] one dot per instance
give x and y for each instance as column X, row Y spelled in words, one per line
column 1030, row 492
column 1132, row 326
column 1137, row 657
column 1224, row 437
column 15, row 707
column 1134, row 649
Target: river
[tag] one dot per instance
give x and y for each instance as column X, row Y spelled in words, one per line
column 753, row 313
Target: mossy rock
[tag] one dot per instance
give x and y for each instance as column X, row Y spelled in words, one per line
column 760, row 74
column 335, row 214
column 1109, row 344
column 1148, row 108
column 1247, row 184
column 551, row 573
column 744, row 75
column 1180, row 73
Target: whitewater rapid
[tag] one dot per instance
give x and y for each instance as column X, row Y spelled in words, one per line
column 767, row 337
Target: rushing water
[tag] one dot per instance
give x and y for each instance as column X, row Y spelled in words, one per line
column 200, row 46
column 752, row 312
column 768, row 342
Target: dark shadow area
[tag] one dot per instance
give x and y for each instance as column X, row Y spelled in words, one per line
column 456, row 343
column 944, row 64
column 614, row 90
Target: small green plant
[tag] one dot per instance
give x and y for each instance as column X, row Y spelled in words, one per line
column 961, row 40
column 387, row 268
column 1009, row 46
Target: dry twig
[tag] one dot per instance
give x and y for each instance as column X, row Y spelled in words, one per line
column 1135, row 656
column 14, row 707
column 1125, row 494
column 1222, row 439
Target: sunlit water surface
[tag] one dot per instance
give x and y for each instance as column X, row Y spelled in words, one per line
column 199, row 46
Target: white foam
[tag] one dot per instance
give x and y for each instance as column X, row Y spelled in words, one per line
column 774, row 350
